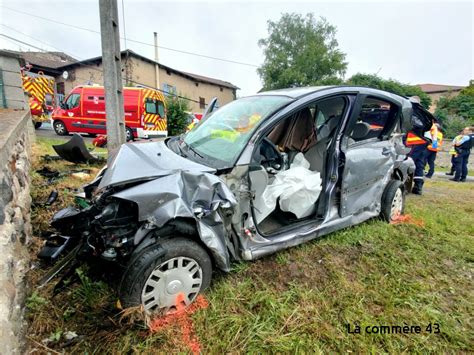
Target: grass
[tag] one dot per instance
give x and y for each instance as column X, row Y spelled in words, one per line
column 45, row 146
column 301, row 299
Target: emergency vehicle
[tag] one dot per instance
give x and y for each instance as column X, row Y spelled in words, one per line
column 40, row 90
column 83, row 111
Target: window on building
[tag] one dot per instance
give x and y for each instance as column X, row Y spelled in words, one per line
column 202, row 102
column 60, row 88
column 169, row 89
column 154, row 106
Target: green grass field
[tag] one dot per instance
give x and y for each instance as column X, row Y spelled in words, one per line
column 299, row 300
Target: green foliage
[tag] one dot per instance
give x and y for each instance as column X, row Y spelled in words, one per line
column 35, row 302
column 390, row 85
column 176, row 115
column 456, row 112
column 88, row 292
column 301, row 51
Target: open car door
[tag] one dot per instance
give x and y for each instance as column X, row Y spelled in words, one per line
column 416, row 119
column 210, row 108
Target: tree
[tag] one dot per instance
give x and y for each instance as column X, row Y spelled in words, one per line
column 301, row 51
column 176, row 114
column 390, row 85
column 456, row 112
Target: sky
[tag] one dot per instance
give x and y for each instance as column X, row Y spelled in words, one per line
column 411, row 41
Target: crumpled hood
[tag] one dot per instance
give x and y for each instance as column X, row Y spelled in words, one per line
column 146, row 161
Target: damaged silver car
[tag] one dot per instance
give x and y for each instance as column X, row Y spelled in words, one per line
column 258, row 175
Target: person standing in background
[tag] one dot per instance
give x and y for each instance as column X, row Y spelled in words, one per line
column 433, row 148
column 463, row 150
column 452, row 152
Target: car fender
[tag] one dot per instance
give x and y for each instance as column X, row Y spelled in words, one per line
column 198, row 196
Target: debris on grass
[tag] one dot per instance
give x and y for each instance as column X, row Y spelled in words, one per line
column 81, row 176
column 408, row 219
column 181, row 318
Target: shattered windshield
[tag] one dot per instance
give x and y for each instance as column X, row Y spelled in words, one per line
column 223, row 135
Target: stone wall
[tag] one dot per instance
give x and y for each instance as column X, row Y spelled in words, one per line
column 15, row 227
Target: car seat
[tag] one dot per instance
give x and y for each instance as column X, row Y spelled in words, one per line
column 316, row 154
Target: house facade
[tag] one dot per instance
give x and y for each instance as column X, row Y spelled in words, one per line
column 437, row 91
column 138, row 70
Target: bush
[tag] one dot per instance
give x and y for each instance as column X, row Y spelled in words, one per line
column 390, row 85
column 456, row 112
column 177, row 116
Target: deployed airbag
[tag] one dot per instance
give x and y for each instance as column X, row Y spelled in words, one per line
column 297, row 189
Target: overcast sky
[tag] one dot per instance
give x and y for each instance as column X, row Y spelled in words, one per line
column 414, row 42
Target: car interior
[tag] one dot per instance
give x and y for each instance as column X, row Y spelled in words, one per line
column 309, row 132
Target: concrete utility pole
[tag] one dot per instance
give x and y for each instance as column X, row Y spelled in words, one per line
column 110, row 36
column 157, row 67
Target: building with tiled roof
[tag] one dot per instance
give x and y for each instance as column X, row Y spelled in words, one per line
column 436, row 91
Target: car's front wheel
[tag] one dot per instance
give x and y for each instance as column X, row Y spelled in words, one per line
column 393, row 201
column 163, row 275
column 60, row 128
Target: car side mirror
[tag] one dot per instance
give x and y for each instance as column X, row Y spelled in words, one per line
column 360, row 131
column 62, row 104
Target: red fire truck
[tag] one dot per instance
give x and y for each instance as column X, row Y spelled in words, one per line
column 40, row 89
column 83, row 111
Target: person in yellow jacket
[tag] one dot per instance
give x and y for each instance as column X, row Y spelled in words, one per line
column 432, row 149
column 453, row 153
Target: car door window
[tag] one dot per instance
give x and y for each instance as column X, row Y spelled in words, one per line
column 73, row 101
column 375, row 118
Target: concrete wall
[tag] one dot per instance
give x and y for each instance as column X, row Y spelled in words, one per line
column 11, row 81
column 144, row 72
column 15, row 228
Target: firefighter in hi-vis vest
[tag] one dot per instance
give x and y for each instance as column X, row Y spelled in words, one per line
column 432, row 151
column 418, row 154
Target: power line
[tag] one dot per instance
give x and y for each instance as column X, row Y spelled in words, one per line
column 101, row 71
column 133, row 40
column 40, row 41
column 17, row 40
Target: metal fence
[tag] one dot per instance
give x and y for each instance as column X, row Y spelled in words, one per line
column 59, row 98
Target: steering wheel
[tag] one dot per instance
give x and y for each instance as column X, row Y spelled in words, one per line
column 271, row 155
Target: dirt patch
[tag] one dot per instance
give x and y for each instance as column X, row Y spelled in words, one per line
column 312, row 268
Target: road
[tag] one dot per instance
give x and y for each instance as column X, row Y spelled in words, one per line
column 46, row 131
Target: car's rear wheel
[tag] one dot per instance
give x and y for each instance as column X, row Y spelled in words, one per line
column 165, row 275
column 60, row 128
column 393, row 201
column 38, row 124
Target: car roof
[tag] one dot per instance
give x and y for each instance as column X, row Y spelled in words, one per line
column 297, row 93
